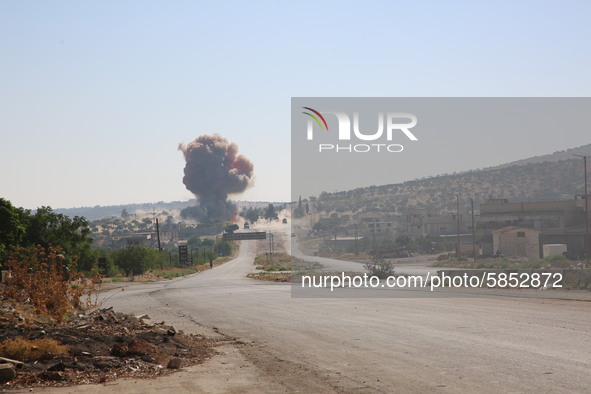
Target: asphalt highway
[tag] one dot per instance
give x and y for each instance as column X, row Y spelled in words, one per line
column 407, row 344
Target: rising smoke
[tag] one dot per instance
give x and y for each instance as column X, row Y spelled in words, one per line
column 214, row 170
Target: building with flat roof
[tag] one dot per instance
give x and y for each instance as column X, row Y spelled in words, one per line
column 517, row 242
column 558, row 222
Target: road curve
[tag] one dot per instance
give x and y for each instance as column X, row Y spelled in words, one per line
column 406, row 344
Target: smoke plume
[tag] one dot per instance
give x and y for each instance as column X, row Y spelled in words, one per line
column 213, row 170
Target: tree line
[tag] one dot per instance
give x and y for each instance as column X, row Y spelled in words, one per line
column 253, row 215
column 21, row 228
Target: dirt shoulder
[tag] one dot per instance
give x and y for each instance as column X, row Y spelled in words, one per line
column 97, row 347
column 110, row 352
column 235, row 368
column 228, row 371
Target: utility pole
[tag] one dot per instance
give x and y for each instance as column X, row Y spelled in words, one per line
column 335, row 238
column 356, row 239
column 458, row 251
column 586, row 213
column 473, row 230
column 158, row 234
column 587, row 251
column 373, row 233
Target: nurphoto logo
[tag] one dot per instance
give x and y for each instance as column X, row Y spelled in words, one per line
column 396, row 124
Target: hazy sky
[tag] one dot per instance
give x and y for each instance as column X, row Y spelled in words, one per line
column 95, row 96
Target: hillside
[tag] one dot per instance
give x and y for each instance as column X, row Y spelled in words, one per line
column 142, row 209
column 557, row 176
column 553, row 157
column 99, row 212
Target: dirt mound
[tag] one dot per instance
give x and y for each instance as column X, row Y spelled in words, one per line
column 101, row 345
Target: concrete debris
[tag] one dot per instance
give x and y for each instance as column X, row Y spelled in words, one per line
column 7, row 372
column 174, row 363
column 51, row 375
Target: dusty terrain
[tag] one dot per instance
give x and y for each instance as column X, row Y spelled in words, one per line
column 367, row 340
column 100, row 346
column 407, row 341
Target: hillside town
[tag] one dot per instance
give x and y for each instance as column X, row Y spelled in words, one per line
column 497, row 226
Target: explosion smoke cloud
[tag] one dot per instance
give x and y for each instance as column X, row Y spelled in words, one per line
column 214, row 170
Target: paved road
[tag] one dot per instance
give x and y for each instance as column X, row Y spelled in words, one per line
column 416, row 344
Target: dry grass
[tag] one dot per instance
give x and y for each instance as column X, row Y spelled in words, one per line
column 40, row 276
column 272, row 277
column 26, row 350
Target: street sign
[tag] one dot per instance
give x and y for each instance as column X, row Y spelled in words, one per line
column 183, row 256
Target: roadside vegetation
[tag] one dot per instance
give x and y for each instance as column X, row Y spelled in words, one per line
column 50, row 244
column 380, row 267
column 32, row 350
column 47, row 280
column 51, row 315
column 277, row 262
column 280, row 267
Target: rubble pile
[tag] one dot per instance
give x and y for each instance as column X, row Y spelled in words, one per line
column 102, row 345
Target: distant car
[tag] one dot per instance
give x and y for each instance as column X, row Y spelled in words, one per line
column 284, row 220
column 246, row 225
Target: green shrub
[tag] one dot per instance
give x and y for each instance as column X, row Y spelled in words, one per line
column 380, row 268
column 136, row 260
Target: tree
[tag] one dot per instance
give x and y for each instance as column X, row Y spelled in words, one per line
column 403, row 241
column 18, row 227
column 427, row 244
column 270, row 213
column 380, row 268
column 231, row 228
column 328, row 225
column 298, row 211
column 194, row 242
column 49, row 228
column 223, row 248
column 136, row 260
column 251, row 214
column 12, row 226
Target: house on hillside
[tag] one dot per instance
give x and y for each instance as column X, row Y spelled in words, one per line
column 134, row 239
column 558, row 222
column 517, row 242
column 374, row 224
